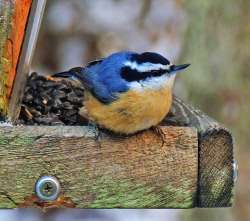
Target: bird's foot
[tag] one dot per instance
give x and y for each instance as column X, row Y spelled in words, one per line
column 159, row 132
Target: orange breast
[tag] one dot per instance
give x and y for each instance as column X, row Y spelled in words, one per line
column 132, row 112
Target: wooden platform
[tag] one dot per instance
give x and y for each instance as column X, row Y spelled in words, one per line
column 104, row 172
column 193, row 167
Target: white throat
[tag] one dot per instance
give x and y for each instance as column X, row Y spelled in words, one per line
column 153, row 83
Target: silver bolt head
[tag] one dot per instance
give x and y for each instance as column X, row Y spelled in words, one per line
column 47, row 188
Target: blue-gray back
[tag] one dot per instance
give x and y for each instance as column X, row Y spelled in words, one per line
column 104, row 79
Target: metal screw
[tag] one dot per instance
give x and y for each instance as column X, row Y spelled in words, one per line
column 47, row 188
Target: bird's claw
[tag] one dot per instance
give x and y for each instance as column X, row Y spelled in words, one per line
column 159, row 132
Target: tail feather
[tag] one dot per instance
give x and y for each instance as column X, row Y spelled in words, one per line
column 72, row 73
column 65, row 74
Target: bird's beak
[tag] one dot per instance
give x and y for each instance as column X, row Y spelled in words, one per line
column 176, row 68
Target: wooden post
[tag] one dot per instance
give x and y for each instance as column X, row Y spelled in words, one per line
column 217, row 168
column 14, row 16
column 19, row 27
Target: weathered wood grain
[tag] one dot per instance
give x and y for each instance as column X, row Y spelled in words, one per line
column 104, row 172
column 13, row 21
column 25, row 58
column 216, row 154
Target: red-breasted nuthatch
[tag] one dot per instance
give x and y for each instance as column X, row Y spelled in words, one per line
column 127, row 92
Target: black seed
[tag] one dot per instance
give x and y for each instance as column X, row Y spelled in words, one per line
column 67, row 105
column 35, row 112
column 51, row 102
column 79, row 92
column 58, row 94
column 28, row 98
column 70, row 112
column 49, row 84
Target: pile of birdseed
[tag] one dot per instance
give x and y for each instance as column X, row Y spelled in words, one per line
column 51, row 101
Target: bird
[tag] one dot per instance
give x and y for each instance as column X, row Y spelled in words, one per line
column 126, row 92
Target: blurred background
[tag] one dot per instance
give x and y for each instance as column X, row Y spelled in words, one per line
column 214, row 36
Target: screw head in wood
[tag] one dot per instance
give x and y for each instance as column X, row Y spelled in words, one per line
column 47, row 188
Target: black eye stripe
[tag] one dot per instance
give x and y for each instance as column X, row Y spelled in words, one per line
column 129, row 74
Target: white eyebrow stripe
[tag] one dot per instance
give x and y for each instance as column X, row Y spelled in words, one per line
column 147, row 66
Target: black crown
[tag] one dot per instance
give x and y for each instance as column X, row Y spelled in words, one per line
column 151, row 57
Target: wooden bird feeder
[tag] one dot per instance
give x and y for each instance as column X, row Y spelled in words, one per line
column 193, row 167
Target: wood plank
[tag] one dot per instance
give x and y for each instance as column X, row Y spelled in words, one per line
column 104, row 172
column 14, row 15
column 216, row 155
column 25, row 58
